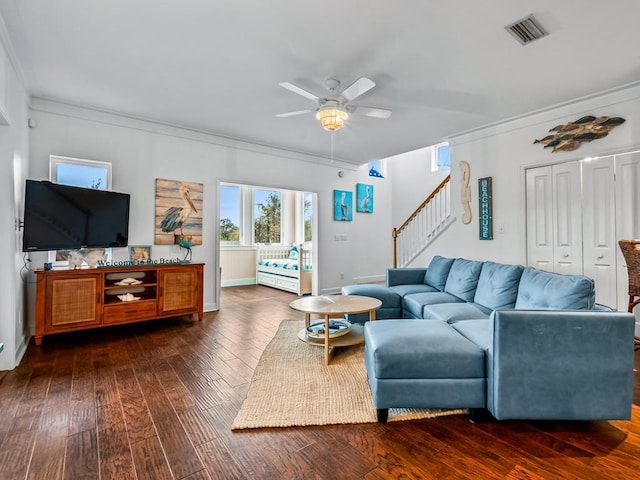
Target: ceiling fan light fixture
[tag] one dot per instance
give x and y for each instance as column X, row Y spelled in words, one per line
column 332, row 119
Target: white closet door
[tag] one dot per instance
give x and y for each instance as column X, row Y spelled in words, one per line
column 539, row 183
column 599, row 225
column 567, row 218
column 627, row 213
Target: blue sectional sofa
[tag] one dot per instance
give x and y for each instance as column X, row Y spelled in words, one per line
column 519, row 342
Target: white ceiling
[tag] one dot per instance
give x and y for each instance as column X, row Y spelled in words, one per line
column 214, row 65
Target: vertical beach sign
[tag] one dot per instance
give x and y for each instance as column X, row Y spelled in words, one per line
column 485, row 219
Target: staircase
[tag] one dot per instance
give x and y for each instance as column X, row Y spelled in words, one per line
column 423, row 226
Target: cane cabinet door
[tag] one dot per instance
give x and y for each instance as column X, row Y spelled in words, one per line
column 73, row 302
column 180, row 290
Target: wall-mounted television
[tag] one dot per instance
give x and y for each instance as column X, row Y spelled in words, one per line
column 61, row 217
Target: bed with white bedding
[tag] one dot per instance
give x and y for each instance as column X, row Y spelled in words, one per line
column 285, row 268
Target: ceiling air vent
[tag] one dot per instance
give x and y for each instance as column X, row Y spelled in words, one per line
column 526, row 30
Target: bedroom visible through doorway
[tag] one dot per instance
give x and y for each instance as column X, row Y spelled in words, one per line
column 267, row 237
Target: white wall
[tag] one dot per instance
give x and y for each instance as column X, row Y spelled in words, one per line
column 14, row 155
column 143, row 151
column 412, row 181
column 503, row 151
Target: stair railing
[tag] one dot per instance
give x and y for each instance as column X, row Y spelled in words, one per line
column 423, row 225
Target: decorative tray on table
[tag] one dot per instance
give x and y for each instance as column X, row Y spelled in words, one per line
column 337, row 328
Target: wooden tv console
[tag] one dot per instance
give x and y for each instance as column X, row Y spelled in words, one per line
column 69, row 300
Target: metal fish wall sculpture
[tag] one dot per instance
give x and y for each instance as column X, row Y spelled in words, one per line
column 568, row 137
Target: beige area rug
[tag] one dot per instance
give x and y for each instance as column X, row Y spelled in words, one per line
column 291, row 386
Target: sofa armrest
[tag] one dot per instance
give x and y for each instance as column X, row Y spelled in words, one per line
column 560, row 365
column 405, row 276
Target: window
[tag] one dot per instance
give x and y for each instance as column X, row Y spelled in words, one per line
column 376, row 168
column 78, row 173
column 440, row 157
column 267, row 216
column 308, row 215
column 443, row 154
column 251, row 215
column 230, row 208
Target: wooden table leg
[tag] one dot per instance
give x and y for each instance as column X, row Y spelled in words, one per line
column 372, row 315
column 326, row 339
column 307, row 320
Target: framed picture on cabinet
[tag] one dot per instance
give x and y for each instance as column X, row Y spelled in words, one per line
column 139, row 253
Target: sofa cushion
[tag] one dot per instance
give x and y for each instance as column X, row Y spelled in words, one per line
column 413, row 304
column 388, row 297
column 416, row 349
column 403, row 290
column 479, row 332
column 463, row 278
column 540, row 290
column 438, row 271
column 390, row 308
column 498, row 285
column 454, row 312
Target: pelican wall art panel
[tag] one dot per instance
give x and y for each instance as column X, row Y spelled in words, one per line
column 178, row 212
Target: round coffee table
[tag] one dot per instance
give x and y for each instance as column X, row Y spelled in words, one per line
column 334, row 306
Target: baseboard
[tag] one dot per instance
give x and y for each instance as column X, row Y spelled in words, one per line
column 238, row 282
column 370, row 279
column 211, row 307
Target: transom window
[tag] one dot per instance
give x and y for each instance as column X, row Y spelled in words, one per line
column 440, row 157
column 78, row 173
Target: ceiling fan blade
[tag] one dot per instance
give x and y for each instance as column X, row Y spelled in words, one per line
column 291, row 114
column 370, row 111
column 295, row 89
column 357, row 88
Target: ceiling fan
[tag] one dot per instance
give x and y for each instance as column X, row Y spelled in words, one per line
column 334, row 109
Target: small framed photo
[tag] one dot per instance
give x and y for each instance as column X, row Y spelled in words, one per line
column 139, row 253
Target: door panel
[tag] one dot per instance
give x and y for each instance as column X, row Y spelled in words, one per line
column 599, row 241
column 627, row 195
column 539, row 218
column 567, row 218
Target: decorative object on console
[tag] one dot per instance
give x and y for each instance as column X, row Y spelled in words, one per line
column 466, row 191
column 342, row 205
column 76, row 259
column 485, row 196
column 568, row 137
column 94, row 256
column 185, row 242
column 178, row 212
column 139, row 253
column 364, row 198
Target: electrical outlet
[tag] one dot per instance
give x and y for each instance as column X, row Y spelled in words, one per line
column 342, row 276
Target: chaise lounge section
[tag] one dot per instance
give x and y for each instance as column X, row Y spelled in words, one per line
column 519, row 342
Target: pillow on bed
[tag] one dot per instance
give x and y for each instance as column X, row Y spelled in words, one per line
column 293, row 254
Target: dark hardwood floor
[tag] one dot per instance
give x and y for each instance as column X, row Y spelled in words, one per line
column 156, row 401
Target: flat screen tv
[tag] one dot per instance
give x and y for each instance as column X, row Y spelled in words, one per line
column 61, row 217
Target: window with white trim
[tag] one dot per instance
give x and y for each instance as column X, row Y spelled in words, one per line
column 440, row 157
column 252, row 215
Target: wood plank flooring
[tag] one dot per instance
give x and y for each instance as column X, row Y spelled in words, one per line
column 156, row 400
